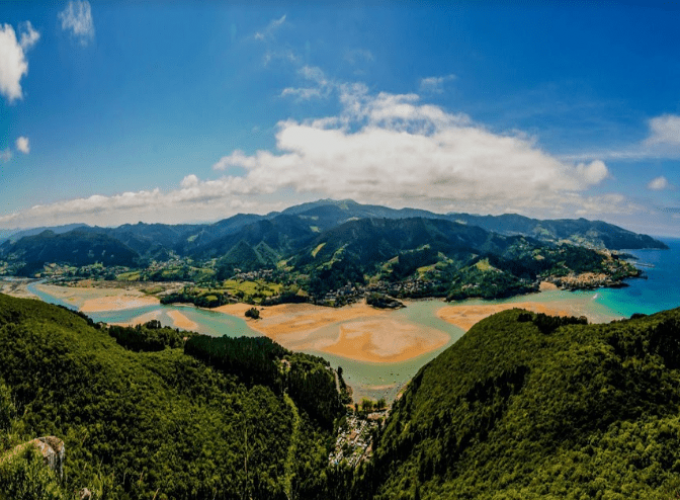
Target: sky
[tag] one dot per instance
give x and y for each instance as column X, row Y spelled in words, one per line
column 118, row 112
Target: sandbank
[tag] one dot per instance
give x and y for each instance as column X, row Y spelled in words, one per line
column 465, row 316
column 16, row 288
column 90, row 300
column 118, row 303
column 140, row 320
column 181, row 321
column 358, row 331
column 385, row 340
column 547, row 286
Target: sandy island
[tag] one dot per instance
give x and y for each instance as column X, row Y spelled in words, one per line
column 181, row 321
column 140, row 320
column 466, row 316
column 358, row 331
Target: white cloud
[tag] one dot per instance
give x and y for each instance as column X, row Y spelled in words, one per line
column 662, row 141
column 664, row 129
column 322, row 85
column 384, row 148
column 23, row 145
column 271, row 28
column 5, row 155
column 391, row 147
column 434, row 84
column 13, row 63
column 29, row 36
column 77, row 18
column 659, row 184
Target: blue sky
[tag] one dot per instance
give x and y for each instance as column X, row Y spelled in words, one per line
column 114, row 112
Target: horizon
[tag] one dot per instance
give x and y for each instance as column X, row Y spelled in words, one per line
column 176, row 113
column 10, row 232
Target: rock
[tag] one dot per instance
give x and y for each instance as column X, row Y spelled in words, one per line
column 52, row 450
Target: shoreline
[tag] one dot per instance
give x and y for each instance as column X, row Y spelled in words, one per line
column 357, row 332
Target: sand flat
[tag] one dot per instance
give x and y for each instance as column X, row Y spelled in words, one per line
column 359, row 331
column 181, row 321
column 118, row 303
column 385, row 341
column 140, row 320
column 465, row 316
column 99, row 299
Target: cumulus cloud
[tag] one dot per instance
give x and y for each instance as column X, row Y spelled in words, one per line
column 384, row 148
column 659, row 184
column 23, row 145
column 664, row 129
column 77, row 19
column 434, row 84
column 270, row 29
column 392, row 147
column 13, row 63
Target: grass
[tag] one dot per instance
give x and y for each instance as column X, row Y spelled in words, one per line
column 129, row 276
column 317, row 249
column 250, row 288
column 484, row 266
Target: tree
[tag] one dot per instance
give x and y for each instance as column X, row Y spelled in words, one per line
column 253, row 313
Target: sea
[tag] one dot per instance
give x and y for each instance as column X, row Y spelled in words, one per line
column 657, row 290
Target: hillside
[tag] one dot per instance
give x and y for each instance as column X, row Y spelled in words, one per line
column 79, row 247
column 288, row 231
column 579, row 231
column 225, row 421
column 523, row 408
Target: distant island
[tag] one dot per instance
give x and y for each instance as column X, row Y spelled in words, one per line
column 333, row 253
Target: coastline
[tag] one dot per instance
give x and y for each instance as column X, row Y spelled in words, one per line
column 357, row 332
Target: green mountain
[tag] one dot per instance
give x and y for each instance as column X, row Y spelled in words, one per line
column 291, row 230
column 526, row 406
column 78, row 247
column 579, row 231
column 223, row 418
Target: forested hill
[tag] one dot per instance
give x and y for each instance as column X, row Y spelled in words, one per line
column 288, row 231
column 523, row 408
column 579, row 231
column 228, row 419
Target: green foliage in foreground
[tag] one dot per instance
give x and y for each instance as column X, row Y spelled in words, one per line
column 513, row 412
column 308, row 379
column 139, row 424
column 149, row 337
column 22, row 473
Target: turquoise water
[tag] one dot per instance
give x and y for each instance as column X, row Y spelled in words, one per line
column 661, row 289
column 658, row 292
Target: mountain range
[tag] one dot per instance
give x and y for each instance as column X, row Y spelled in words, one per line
column 283, row 234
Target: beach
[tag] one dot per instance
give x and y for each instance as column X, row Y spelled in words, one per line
column 359, row 331
column 90, row 300
column 466, row 316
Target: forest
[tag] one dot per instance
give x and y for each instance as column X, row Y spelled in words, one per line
column 523, row 406
column 139, row 421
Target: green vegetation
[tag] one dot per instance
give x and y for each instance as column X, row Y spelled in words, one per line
column 281, row 258
column 163, row 423
column 149, row 337
column 527, row 406
column 253, row 313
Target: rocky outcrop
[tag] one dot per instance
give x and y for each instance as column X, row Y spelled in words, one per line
column 51, row 448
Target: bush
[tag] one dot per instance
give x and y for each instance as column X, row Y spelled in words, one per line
column 253, row 313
